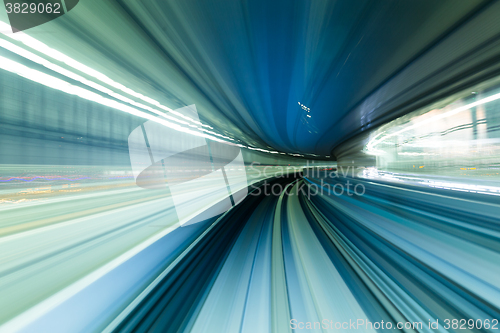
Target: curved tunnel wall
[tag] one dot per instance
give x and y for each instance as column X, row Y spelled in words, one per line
column 460, row 60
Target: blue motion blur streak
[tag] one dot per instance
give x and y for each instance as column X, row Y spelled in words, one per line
column 397, row 254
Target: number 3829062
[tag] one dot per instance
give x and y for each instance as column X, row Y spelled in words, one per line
column 26, row 8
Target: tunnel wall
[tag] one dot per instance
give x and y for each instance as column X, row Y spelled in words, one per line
column 43, row 126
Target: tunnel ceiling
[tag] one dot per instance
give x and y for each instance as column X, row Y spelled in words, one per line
column 273, row 74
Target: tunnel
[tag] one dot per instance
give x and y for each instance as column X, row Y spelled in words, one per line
column 249, row 166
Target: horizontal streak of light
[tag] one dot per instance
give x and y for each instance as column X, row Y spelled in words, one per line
column 54, row 54
column 45, row 178
column 37, row 59
column 55, row 83
column 30, row 179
